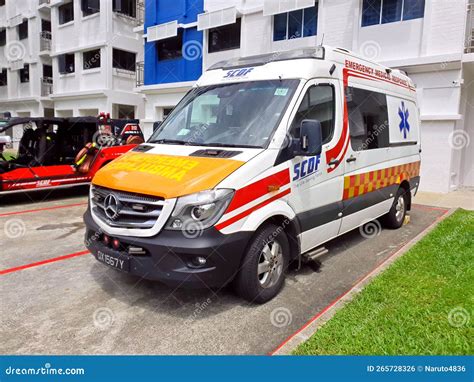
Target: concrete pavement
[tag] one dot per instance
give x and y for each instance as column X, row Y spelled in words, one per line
column 75, row 305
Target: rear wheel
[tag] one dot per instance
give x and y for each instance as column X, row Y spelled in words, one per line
column 396, row 216
column 262, row 274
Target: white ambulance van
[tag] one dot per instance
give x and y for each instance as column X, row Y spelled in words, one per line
column 261, row 163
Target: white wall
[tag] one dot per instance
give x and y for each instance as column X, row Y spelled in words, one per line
column 467, row 161
column 97, row 88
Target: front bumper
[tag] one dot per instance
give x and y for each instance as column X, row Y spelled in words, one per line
column 169, row 255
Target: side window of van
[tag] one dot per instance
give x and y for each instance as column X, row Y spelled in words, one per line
column 368, row 119
column 318, row 103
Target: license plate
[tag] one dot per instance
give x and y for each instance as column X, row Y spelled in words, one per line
column 117, row 262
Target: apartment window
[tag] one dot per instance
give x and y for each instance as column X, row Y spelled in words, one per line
column 3, row 37
column 2, row 3
column 89, row 7
column 23, row 30
column 91, row 59
column 318, row 104
column 25, row 74
column 66, row 63
column 66, row 13
column 45, row 25
column 47, row 71
column 124, row 60
column 170, row 48
column 125, row 7
column 4, row 77
column 368, row 119
column 226, row 37
column 126, row 111
column 388, row 11
column 296, row 24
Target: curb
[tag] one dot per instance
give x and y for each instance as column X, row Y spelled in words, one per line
column 303, row 334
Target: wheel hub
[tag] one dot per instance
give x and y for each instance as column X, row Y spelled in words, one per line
column 270, row 265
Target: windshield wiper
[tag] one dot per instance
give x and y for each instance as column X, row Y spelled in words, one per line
column 170, row 142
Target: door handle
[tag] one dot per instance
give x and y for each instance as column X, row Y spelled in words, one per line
column 351, row 159
column 333, row 162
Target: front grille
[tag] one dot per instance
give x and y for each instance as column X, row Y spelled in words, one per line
column 130, row 210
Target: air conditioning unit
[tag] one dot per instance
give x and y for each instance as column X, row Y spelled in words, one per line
column 162, row 31
column 217, row 18
column 17, row 65
column 274, row 7
column 15, row 21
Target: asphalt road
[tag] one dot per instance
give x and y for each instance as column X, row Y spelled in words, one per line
column 74, row 305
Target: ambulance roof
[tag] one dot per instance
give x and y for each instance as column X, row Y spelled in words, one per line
column 306, row 63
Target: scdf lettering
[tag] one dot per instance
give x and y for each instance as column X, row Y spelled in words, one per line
column 306, row 168
column 238, row 72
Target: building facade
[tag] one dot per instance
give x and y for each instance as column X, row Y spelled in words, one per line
column 431, row 40
column 173, row 48
column 70, row 57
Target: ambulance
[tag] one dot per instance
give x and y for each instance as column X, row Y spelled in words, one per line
column 265, row 159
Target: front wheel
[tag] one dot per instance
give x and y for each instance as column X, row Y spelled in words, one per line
column 396, row 216
column 262, row 274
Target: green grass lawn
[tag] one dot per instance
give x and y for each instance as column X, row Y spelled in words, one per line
column 421, row 305
column 9, row 154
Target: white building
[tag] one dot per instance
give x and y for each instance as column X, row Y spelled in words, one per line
column 432, row 40
column 24, row 60
column 80, row 57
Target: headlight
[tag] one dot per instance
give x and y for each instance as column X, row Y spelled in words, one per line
column 202, row 210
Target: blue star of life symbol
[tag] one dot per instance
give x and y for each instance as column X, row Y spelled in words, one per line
column 404, row 125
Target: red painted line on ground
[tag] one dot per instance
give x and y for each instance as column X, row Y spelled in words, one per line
column 433, row 208
column 39, row 263
column 42, row 209
column 359, row 281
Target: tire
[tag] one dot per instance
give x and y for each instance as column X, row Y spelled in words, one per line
column 262, row 287
column 396, row 216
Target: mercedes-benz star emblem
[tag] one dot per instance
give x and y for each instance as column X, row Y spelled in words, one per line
column 112, row 206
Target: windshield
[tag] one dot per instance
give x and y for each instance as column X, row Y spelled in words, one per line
column 231, row 115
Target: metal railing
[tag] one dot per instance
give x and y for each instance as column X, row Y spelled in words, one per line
column 140, row 74
column 46, row 86
column 45, row 41
column 469, row 46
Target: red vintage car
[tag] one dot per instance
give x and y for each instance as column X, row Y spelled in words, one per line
column 62, row 152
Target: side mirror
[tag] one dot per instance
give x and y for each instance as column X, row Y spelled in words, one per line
column 310, row 142
column 156, row 125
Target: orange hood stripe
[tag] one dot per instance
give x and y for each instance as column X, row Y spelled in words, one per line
column 167, row 176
